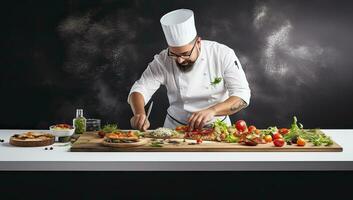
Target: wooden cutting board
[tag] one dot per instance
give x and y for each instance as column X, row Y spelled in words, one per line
column 90, row 142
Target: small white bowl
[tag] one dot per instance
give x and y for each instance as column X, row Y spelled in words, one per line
column 61, row 133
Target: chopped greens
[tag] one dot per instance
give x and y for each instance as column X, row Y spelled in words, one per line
column 222, row 128
column 109, row 128
column 231, row 138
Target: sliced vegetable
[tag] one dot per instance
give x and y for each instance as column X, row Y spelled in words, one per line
column 182, row 128
column 250, row 142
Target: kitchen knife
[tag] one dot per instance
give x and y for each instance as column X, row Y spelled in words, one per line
column 148, row 112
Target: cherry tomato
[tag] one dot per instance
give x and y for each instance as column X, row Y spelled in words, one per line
column 251, row 128
column 283, row 131
column 277, row 136
column 268, row 138
column 257, row 131
column 199, row 141
column 278, row 142
column 301, row 142
column 101, row 134
column 241, row 125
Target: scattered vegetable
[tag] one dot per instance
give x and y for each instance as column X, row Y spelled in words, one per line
column 283, row 131
column 110, row 128
column 279, row 142
column 241, row 125
column 252, row 128
column 220, row 129
column 300, row 142
column 313, row 136
column 268, row 138
column 277, row 136
column 250, row 142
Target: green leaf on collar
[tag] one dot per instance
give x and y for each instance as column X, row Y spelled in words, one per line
column 216, row 81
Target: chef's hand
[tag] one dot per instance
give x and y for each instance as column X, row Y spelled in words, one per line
column 198, row 119
column 140, row 122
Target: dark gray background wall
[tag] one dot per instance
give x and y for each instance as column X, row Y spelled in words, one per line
column 57, row 56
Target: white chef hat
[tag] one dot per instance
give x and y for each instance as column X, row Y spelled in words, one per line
column 179, row 27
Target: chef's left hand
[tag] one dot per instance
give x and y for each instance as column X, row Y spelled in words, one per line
column 198, row 119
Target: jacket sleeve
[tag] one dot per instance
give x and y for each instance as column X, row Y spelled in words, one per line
column 234, row 77
column 150, row 80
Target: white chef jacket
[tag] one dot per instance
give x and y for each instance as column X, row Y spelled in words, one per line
column 192, row 91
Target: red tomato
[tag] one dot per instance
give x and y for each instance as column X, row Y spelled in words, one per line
column 278, row 142
column 251, row 128
column 277, row 136
column 283, row 131
column 101, row 134
column 199, row 141
column 241, row 125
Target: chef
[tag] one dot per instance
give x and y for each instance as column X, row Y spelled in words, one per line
column 204, row 79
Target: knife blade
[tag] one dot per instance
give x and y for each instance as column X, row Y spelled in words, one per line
column 148, row 112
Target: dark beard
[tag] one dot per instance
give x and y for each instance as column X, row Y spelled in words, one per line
column 185, row 67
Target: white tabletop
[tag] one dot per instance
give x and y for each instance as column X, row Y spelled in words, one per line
column 61, row 159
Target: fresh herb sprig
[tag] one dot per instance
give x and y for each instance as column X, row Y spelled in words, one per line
column 216, row 81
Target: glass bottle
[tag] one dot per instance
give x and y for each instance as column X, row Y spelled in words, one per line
column 79, row 122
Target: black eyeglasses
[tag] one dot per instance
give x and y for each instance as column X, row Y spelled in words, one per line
column 175, row 56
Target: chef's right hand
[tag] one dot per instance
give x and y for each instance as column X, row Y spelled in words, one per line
column 140, row 122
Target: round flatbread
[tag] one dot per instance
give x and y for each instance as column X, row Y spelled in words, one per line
column 35, row 142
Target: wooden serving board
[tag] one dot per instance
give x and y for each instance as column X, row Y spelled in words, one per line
column 31, row 142
column 90, row 142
